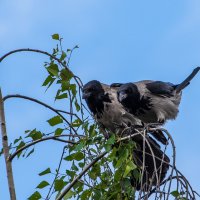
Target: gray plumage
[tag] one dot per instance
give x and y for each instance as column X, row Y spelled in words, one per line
column 152, row 101
column 107, row 110
column 103, row 102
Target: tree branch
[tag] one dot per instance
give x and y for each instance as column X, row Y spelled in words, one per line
column 45, row 53
column 6, row 151
column 41, row 103
column 67, row 189
column 57, row 172
column 37, row 141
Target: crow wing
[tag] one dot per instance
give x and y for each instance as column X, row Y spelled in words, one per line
column 161, row 88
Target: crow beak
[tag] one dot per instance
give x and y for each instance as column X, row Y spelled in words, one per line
column 122, row 96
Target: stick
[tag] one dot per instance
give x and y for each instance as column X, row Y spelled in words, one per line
column 6, row 151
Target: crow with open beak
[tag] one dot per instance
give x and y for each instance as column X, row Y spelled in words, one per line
column 111, row 115
column 152, row 101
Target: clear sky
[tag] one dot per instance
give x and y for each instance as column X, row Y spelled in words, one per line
column 120, row 41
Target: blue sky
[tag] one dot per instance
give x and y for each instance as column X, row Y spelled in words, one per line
column 120, row 41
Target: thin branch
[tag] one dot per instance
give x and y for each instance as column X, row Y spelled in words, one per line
column 93, row 162
column 6, row 151
column 174, row 155
column 152, row 154
column 37, row 141
column 67, row 189
column 41, row 103
column 41, row 52
column 69, row 113
column 57, row 172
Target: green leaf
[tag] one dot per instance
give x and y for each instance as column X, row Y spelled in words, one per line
column 35, row 196
column 65, row 74
column 17, row 140
column 53, row 69
column 62, row 96
column 79, row 146
column 59, row 184
column 98, row 139
column 129, row 167
column 77, row 123
column 118, row 174
column 55, row 120
column 42, row 184
column 65, row 86
column 69, row 195
column 74, row 167
column 75, row 156
column 77, row 106
column 111, row 140
column 175, row 193
column 30, row 152
column 58, row 131
column 81, row 164
column 92, row 131
column 78, row 187
column 73, row 89
column 122, row 157
column 48, row 80
column 63, row 56
column 55, row 36
column 71, row 173
column 108, row 147
column 95, row 171
column 35, row 135
column 78, row 156
column 46, row 171
column 112, row 155
column 21, row 144
column 86, row 194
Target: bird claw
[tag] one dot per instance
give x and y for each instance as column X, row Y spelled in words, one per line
column 149, row 126
column 122, row 125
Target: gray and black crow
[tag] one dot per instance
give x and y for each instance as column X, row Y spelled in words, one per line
column 107, row 110
column 152, row 101
column 111, row 115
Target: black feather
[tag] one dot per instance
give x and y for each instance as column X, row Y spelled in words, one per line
column 161, row 88
column 116, row 84
column 96, row 97
column 149, row 172
column 134, row 102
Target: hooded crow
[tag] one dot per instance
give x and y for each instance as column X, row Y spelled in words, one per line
column 107, row 110
column 112, row 116
column 152, row 101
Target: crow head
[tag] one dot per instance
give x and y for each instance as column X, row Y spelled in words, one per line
column 94, row 95
column 92, row 90
column 127, row 93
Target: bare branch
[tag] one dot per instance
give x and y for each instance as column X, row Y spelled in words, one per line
column 6, row 151
column 37, row 141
